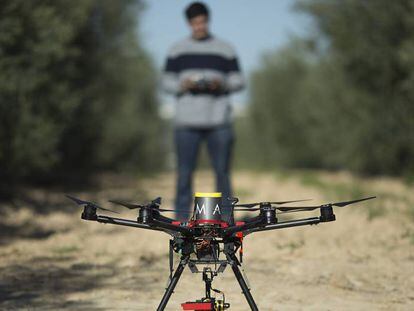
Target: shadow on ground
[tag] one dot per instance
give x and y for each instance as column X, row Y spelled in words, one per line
column 27, row 230
column 49, row 282
column 44, row 283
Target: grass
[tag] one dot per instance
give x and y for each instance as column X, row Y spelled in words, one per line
column 334, row 190
column 64, row 250
column 292, row 245
column 408, row 234
column 410, row 213
column 409, row 179
column 375, row 211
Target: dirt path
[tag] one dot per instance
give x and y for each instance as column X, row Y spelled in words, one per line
column 363, row 261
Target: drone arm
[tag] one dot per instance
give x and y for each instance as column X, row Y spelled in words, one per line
column 254, row 223
column 168, row 226
column 124, row 222
column 164, row 219
column 286, row 224
column 155, row 224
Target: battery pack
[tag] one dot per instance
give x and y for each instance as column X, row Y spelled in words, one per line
column 198, row 306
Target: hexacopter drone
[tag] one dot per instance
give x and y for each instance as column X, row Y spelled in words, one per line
column 209, row 240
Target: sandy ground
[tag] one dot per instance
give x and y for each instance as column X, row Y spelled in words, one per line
column 51, row 260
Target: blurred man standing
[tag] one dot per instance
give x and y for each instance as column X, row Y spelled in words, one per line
column 202, row 70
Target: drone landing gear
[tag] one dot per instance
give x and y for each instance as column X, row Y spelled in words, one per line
column 208, row 303
column 173, row 282
column 235, row 264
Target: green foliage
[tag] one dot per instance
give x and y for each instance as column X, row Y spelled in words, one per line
column 342, row 99
column 76, row 90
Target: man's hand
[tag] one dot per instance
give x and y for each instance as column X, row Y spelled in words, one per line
column 187, row 85
column 216, row 85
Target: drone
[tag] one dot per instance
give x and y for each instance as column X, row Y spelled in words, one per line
column 211, row 239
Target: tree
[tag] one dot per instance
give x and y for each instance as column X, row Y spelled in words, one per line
column 341, row 98
column 77, row 91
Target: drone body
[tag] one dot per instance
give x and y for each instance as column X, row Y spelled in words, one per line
column 211, row 239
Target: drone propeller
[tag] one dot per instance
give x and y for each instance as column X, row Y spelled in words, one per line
column 290, row 209
column 337, row 204
column 250, row 205
column 128, row 205
column 150, row 205
column 86, row 203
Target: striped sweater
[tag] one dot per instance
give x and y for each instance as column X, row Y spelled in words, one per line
column 207, row 59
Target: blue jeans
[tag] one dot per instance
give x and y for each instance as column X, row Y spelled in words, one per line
column 219, row 145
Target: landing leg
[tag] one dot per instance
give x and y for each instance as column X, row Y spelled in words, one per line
column 234, row 262
column 173, row 283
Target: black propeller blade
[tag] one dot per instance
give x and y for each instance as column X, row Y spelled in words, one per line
column 310, row 208
column 345, row 203
column 127, row 204
column 250, row 205
column 247, row 209
column 157, row 202
column 82, row 202
column 290, row 209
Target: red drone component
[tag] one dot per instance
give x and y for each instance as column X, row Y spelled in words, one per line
column 195, row 223
column 198, row 306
